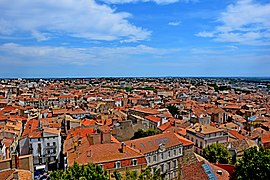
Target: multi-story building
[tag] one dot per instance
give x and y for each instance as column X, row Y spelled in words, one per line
column 101, row 149
column 203, row 135
column 163, row 151
column 43, row 143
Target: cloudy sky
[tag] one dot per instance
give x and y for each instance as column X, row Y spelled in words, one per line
column 93, row 38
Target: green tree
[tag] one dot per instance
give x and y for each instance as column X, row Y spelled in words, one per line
column 151, row 174
column 128, row 89
column 150, row 132
column 255, row 164
column 131, row 175
column 117, row 175
column 141, row 133
column 173, row 110
column 217, row 152
column 89, row 172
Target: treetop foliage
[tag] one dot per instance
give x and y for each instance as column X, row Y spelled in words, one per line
column 217, row 153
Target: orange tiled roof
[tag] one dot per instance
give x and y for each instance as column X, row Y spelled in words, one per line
column 165, row 126
column 266, row 139
column 153, row 118
column 235, row 134
column 82, row 132
column 151, row 143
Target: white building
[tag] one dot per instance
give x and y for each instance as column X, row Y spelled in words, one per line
column 44, row 144
column 162, row 151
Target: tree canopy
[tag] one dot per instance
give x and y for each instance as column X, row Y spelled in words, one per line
column 141, row 133
column 146, row 174
column 173, row 110
column 76, row 172
column 217, row 153
column 255, row 164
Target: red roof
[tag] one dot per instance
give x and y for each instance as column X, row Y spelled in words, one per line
column 153, row 118
column 266, row 139
column 82, row 132
column 235, row 134
column 88, row 122
column 165, row 126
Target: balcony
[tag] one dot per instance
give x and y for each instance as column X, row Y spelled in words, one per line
column 50, row 155
column 50, row 147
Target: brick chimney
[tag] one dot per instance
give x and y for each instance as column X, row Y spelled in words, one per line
column 123, row 147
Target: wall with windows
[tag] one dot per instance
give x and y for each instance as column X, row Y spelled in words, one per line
column 166, row 160
column 201, row 142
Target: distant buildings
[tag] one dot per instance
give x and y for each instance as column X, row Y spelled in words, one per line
column 56, row 122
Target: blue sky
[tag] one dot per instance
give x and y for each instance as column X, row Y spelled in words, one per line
column 93, row 38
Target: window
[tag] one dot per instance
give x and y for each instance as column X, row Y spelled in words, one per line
column 174, row 173
column 39, row 149
column 39, row 160
column 174, row 164
column 154, row 158
column 48, row 144
column 162, row 155
column 54, row 143
column 196, row 142
column 169, row 153
column 180, row 150
column 169, row 166
column 30, row 148
column 192, row 139
column 201, row 144
column 149, row 159
column 174, row 152
column 117, row 164
column 162, row 168
column 134, row 162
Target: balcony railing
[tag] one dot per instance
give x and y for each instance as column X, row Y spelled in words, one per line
column 50, row 147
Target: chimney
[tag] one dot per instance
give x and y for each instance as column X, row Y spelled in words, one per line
column 123, row 147
column 200, row 128
column 89, row 153
column 101, row 137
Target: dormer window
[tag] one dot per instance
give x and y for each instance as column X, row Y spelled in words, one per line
column 134, row 162
column 117, row 164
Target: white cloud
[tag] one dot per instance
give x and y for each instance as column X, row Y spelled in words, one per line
column 155, row 1
column 205, row 34
column 35, row 55
column 77, row 18
column 245, row 22
column 174, row 23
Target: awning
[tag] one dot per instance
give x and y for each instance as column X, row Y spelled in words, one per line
column 40, row 167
